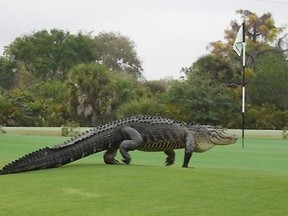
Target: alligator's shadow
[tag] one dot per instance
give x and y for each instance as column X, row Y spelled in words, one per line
column 107, row 166
column 95, row 165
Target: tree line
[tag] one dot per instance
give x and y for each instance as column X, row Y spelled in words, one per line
column 55, row 78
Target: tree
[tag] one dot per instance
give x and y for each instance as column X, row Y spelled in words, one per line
column 50, row 54
column 270, row 83
column 90, row 89
column 266, row 65
column 204, row 101
column 7, row 73
column 261, row 33
column 259, row 29
column 156, row 86
column 217, row 69
column 118, row 53
column 52, row 94
column 125, row 91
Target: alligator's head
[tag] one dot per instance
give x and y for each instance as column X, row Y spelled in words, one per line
column 206, row 137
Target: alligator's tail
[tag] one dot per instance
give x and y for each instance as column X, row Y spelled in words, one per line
column 51, row 157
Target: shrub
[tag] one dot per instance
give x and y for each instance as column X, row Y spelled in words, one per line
column 70, row 129
column 2, row 131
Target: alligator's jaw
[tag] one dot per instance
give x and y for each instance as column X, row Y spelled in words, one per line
column 223, row 139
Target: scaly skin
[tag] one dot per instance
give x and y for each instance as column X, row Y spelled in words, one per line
column 144, row 133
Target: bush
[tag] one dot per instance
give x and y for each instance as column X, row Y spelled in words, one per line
column 142, row 106
column 2, row 131
column 285, row 133
column 70, row 129
column 266, row 117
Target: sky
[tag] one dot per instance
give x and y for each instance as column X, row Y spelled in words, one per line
column 168, row 34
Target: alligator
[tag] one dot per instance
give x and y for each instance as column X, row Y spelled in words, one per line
column 144, row 133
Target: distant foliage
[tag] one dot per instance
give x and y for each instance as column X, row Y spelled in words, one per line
column 90, row 90
column 2, row 131
column 142, row 106
column 285, row 133
column 19, row 107
column 55, row 78
column 117, row 52
column 7, row 73
column 270, row 82
column 267, row 116
column 50, row 54
column 71, row 129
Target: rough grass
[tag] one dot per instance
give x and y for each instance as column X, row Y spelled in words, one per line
column 226, row 180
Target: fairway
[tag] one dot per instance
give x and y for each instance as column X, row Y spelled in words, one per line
column 227, row 180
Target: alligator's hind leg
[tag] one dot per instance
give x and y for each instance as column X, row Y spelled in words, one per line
column 170, row 157
column 132, row 140
column 109, row 157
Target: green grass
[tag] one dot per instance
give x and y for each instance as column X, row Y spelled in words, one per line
column 227, row 180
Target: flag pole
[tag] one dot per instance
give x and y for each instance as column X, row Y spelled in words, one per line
column 243, row 85
column 239, row 47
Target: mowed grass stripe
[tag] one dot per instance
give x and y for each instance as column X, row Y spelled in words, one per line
column 226, row 180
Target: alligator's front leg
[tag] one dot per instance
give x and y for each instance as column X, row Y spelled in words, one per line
column 170, row 157
column 132, row 140
column 187, row 158
column 190, row 142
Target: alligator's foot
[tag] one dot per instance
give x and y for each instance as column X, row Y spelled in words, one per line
column 170, row 157
column 115, row 162
column 168, row 161
column 126, row 161
column 109, row 157
column 186, row 166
